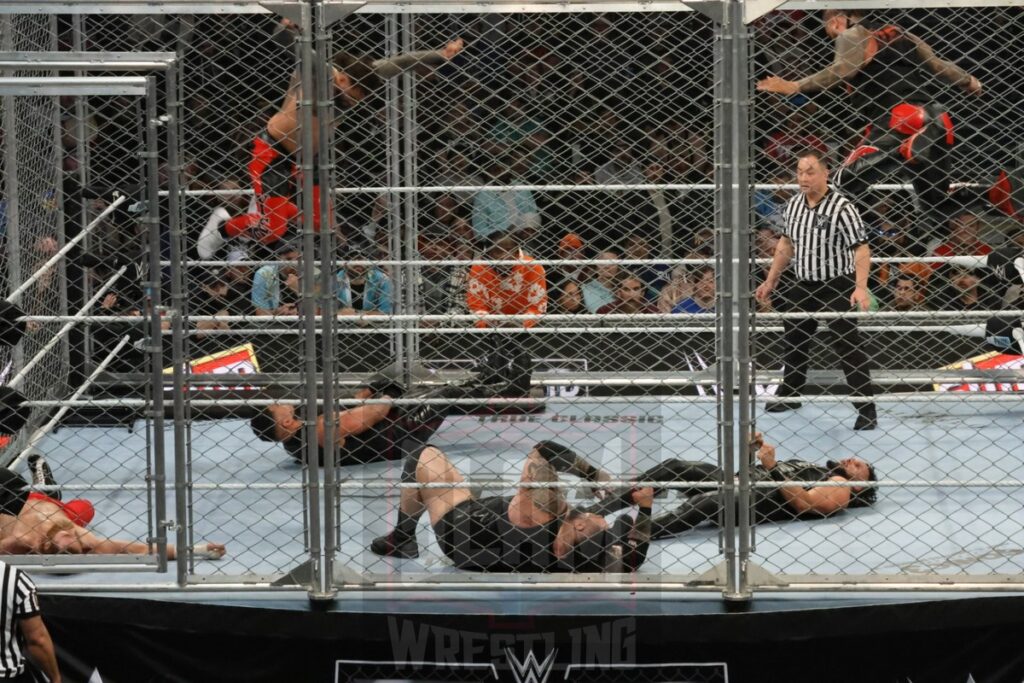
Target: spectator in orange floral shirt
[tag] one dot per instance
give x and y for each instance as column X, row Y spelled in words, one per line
column 517, row 289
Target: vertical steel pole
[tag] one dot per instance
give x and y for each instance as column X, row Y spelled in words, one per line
column 410, row 214
column 328, row 287
column 732, row 189
column 82, row 155
column 724, row 192
column 152, row 219
column 318, row 583
column 740, row 89
column 12, row 189
column 182, row 449
column 394, row 146
column 58, row 192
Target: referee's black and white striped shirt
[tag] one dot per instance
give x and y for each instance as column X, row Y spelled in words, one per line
column 19, row 600
column 824, row 236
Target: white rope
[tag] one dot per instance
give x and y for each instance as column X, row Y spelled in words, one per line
column 38, row 435
column 22, row 374
column 16, row 294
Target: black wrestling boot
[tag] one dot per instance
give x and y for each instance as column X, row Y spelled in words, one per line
column 781, row 407
column 774, row 406
column 492, row 369
column 395, row 544
column 42, row 475
column 867, row 417
column 519, row 374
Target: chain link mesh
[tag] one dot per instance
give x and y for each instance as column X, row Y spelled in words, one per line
column 921, row 136
column 50, row 199
column 580, row 149
column 31, row 228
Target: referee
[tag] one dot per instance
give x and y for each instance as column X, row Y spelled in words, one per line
column 22, row 630
column 825, row 234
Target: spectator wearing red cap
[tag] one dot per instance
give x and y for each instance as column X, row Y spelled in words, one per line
column 570, row 248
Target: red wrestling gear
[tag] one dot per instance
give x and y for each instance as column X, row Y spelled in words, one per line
column 275, row 179
column 79, row 511
column 1002, row 197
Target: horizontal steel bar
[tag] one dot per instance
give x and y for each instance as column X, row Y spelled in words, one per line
column 440, row 7
column 628, row 483
column 261, row 584
column 525, row 8
column 105, row 61
column 969, row 261
column 896, row 4
column 228, row 7
column 66, row 562
column 977, row 330
column 435, row 189
column 954, row 317
column 74, row 85
column 571, row 317
column 959, row 397
column 132, row 7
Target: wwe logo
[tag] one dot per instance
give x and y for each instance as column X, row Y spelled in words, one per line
column 530, row 670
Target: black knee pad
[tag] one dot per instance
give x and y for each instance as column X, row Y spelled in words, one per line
column 413, row 449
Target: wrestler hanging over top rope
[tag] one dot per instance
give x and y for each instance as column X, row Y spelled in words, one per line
column 273, row 169
column 890, row 75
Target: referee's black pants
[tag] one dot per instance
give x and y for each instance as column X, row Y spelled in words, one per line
column 815, row 297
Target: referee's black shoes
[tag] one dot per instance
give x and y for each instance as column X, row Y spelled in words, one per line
column 781, row 406
column 867, row 416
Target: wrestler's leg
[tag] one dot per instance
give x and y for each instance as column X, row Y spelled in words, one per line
column 673, row 470
column 1007, row 262
column 270, row 172
column 695, row 510
column 875, row 160
column 927, row 156
column 426, row 465
column 42, row 475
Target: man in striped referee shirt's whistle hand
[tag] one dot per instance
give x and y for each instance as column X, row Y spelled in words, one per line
column 828, row 245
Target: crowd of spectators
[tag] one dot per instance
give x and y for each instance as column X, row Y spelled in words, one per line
column 583, row 100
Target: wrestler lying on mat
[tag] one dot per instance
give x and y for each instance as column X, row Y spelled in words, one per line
column 535, row 530
column 42, row 524
column 374, row 432
column 702, row 505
